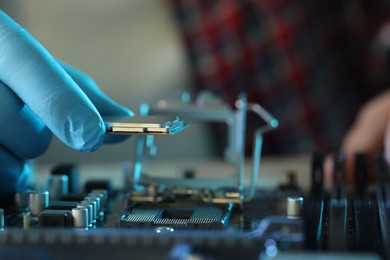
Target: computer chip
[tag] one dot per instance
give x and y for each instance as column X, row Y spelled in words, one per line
column 149, row 125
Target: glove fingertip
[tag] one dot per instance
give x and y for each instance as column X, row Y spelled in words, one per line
column 92, row 140
column 85, row 134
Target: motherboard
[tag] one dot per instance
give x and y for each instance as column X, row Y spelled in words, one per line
column 149, row 217
column 158, row 221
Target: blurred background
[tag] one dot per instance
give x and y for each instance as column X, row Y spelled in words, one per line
column 311, row 63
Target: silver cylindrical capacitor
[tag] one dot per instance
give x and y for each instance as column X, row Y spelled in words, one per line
column 80, row 217
column 38, row 201
column 88, row 206
column 98, row 203
column 294, row 207
column 58, row 186
column 94, row 209
column 103, row 194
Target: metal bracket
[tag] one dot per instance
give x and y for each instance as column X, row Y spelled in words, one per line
column 202, row 110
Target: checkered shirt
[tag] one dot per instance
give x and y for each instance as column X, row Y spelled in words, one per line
column 303, row 60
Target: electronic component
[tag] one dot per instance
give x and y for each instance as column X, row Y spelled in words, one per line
column 55, row 218
column 21, row 199
column 100, row 185
column 63, row 205
column 144, row 125
column 92, row 210
column 89, row 208
column 58, row 186
column 26, row 220
column 80, row 217
column 38, row 201
column 171, row 219
column 70, row 170
column 294, row 207
column 206, row 217
column 1, row 219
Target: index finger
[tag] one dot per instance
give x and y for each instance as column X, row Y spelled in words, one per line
column 40, row 82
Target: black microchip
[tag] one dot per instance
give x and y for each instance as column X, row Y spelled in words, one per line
column 55, row 218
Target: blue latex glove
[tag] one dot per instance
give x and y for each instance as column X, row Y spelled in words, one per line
column 40, row 96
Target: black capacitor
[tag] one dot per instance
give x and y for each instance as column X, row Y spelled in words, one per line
column 70, row 170
column 312, row 215
column 2, row 217
column 339, row 176
column 317, row 176
column 63, row 205
column 291, row 182
column 382, row 173
column 366, row 237
column 361, row 174
column 99, row 185
column 73, row 197
column 58, row 186
column 382, row 177
column 55, row 218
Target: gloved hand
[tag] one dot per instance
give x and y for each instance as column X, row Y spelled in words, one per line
column 39, row 96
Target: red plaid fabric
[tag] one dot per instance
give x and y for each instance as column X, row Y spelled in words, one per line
column 303, row 60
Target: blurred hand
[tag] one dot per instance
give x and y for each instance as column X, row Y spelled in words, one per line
column 40, row 96
column 371, row 131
